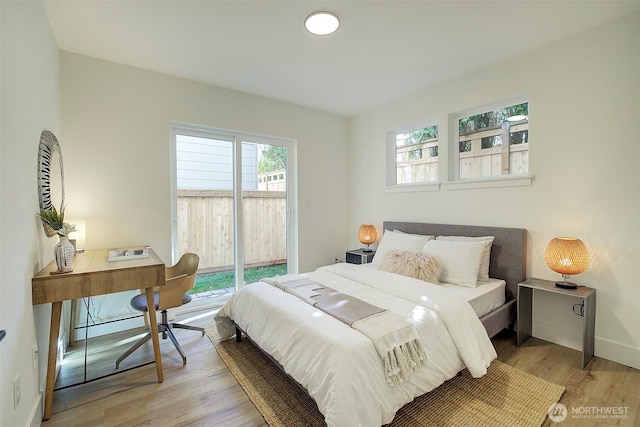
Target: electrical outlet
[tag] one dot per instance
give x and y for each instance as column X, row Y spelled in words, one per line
column 16, row 391
column 335, row 258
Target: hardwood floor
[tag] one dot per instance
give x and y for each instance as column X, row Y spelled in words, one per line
column 603, row 386
column 204, row 393
column 201, row 393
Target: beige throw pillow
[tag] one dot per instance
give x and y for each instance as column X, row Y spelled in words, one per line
column 418, row 265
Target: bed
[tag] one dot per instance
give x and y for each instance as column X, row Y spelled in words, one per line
column 340, row 367
column 507, row 261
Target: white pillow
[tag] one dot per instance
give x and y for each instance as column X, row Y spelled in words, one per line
column 460, row 261
column 398, row 241
column 483, row 274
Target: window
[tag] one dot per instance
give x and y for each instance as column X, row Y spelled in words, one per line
column 416, row 154
column 494, row 142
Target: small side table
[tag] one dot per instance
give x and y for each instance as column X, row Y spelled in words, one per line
column 359, row 256
column 525, row 312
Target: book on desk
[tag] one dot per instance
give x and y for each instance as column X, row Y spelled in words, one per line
column 128, row 254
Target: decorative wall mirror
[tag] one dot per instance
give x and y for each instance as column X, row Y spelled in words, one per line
column 50, row 175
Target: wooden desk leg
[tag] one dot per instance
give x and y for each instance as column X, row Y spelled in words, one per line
column 56, row 310
column 154, row 334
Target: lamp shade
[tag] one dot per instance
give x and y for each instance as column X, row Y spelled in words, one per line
column 80, row 235
column 367, row 234
column 567, row 255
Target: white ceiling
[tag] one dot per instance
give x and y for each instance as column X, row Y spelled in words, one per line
column 382, row 51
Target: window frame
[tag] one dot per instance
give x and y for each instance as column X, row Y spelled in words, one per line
column 454, row 182
column 238, row 138
column 392, row 173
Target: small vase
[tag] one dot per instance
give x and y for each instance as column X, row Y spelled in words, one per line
column 64, row 253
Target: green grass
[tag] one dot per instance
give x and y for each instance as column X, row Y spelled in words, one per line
column 225, row 279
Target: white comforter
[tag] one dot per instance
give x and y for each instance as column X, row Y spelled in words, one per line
column 339, row 366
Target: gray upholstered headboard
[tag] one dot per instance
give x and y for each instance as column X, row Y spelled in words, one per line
column 508, row 252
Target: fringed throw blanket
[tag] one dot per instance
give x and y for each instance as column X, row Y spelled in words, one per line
column 395, row 339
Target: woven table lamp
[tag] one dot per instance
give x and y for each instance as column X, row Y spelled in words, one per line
column 567, row 256
column 367, row 234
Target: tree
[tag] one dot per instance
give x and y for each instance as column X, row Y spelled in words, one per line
column 416, row 137
column 273, row 158
column 425, row 133
column 491, row 118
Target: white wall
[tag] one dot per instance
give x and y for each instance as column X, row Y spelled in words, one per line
column 30, row 103
column 116, row 122
column 116, row 132
column 585, row 150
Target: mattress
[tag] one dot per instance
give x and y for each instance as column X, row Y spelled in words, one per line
column 484, row 298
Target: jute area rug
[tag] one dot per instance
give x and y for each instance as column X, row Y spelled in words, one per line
column 505, row 396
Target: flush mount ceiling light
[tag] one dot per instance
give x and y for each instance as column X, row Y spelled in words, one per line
column 322, row 23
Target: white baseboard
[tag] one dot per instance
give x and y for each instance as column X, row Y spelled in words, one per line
column 617, row 352
column 607, row 349
column 109, row 328
column 557, row 335
column 37, row 412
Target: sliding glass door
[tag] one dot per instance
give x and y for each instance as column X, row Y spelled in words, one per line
column 264, row 210
column 234, row 198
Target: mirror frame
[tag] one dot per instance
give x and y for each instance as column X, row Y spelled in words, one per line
column 48, row 147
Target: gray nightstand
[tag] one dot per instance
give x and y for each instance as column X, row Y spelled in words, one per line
column 525, row 312
column 359, row 256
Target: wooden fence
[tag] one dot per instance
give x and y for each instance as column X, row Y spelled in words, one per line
column 205, row 227
column 273, row 181
column 419, row 162
column 502, row 159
